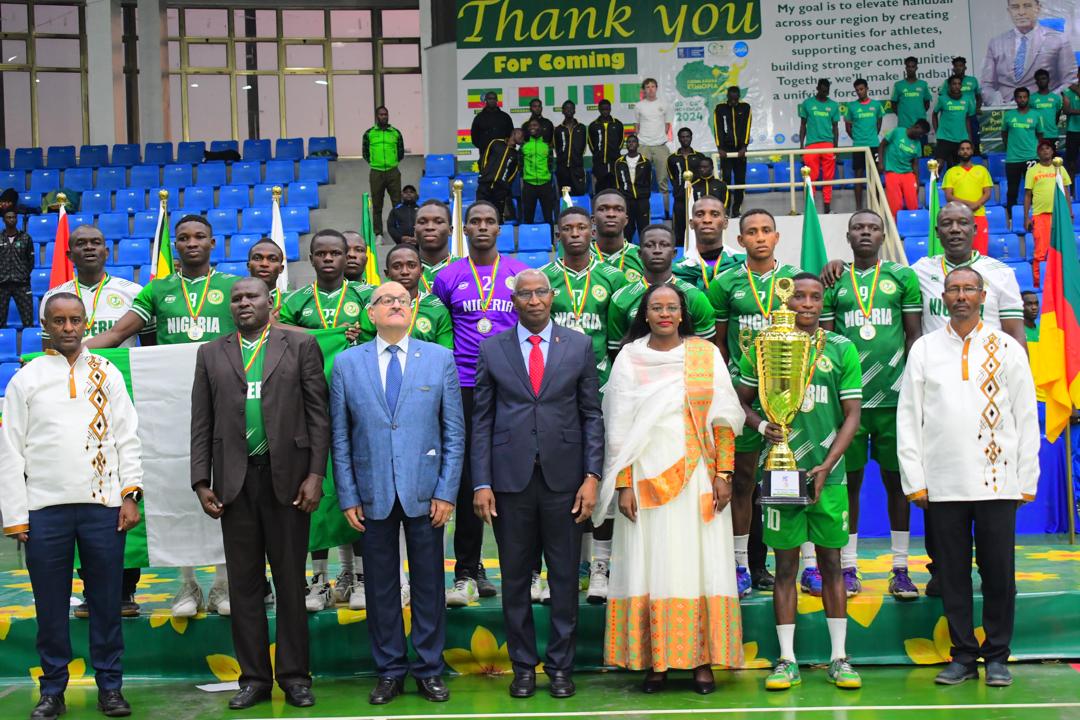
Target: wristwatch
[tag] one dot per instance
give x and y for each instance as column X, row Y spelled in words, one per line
column 593, row 475
column 134, row 495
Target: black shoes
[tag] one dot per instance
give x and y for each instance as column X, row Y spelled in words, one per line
column 112, row 703
column 932, row 587
column 997, row 675
column 299, row 696
column 386, row 690
column 523, row 684
column 762, row 579
column 704, row 686
column 433, row 689
column 484, row 587
column 49, row 707
column 248, row 696
column 654, row 682
column 956, row 673
column 561, row 685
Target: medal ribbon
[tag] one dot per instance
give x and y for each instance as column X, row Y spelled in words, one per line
column 485, row 303
column 622, row 259
column 753, row 291
column 258, row 348
column 716, row 268
column 415, row 308
column 570, row 289
column 277, row 300
column 866, row 309
column 94, row 302
column 206, row 289
column 945, row 271
column 337, row 310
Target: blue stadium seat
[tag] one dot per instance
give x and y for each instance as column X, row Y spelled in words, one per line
column 13, row 179
column 292, row 246
column 1025, row 276
column 190, row 152
column 439, row 165
column 112, row 177
column 255, row 220
column 79, row 218
column 262, row 195
column 60, row 157
column 756, row 174
column 28, row 159
column 160, row 153
column 93, row 156
column 212, row 173
column 322, row 144
column 280, row 172
column 217, row 252
column 130, row 200
column 127, row 272
column 30, row 340
column 534, row 259
column 435, row 188
column 145, row 224
column 48, row 253
column 224, row 145
column 16, row 322
column 9, row 351
column 469, row 181
column 177, row 176
column 223, row 221
column 233, row 196
column 289, row 149
column 113, row 225
column 1005, row 247
column 246, row 173
column 133, row 251
column 505, row 241
column 42, row 227
column 995, row 220
column 96, row 201
column 996, row 165
column 126, row 154
column 171, row 203
column 39, row 280
column 915, row 247
column 534, row 238
column 256, row 150
column 145, row 176
column 782, row 174
column 198, row 198
column 656, row 207
column 913, row 222
column 295, row 219
column 1017, row 217
column 923, row 171
column 232, row 268
column 5, row 159
column 7, row 371
column 239, row 244
column 315, row 169
column 305, row 194
column 79, row 178
column 44, row 181
column 30, row 199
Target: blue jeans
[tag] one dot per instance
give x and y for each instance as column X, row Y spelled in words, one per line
column 50, row 555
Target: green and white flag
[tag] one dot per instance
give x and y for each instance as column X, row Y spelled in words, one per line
column 813, row 256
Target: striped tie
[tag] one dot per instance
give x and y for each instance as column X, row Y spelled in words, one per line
column 1021, row 59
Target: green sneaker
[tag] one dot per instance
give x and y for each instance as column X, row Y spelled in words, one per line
column 783, row 676
column 842, row 675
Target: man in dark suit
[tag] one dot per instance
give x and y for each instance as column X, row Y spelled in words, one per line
column 537, row 454
column 260, row 421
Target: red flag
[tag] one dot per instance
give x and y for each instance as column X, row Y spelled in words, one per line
column 61, row 266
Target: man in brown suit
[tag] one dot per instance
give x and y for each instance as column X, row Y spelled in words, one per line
column 260, row 421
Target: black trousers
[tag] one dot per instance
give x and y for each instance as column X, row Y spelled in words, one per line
column 24, row 302
column 256, row 528
column 678, row 218
column 603, row 176
column 733, row 172
column 994, row 523
column 497, row 194
column 383, row 182
column 946, row 151
column 530, row 196
column 468, row 529
column 756, row 552
column 539, row 517
column 637, row 210
column 1014, row 174
column 1072, row 152
column 572, row 177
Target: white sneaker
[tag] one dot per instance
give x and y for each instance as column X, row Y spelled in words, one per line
column 319, row 595
column 358, row 598
column 598, row 583
column 536, row 587
column 343, row 587
column 218, row 600
column 406, row 595
column 188, row 601
column 463, row 593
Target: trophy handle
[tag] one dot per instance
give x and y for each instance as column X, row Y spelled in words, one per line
column 746, row 340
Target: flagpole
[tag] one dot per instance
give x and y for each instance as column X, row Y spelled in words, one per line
column 1069, row 480
column 688, row 201
column 458, row 240
column 565, row 190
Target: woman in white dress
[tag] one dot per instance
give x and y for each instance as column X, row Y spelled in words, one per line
column 671, row 415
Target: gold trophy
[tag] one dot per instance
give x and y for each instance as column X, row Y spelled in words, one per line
column 783, row 366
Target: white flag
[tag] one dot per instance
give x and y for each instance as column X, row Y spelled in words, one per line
column 277, row 234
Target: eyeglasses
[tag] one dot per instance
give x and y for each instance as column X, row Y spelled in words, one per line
column 669, row 309
column 391, row 300
column 526, row 295
column 965, row 290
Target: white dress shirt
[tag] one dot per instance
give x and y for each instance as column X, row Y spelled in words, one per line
column 68, row 437
column 384, row 356
column 967, row 427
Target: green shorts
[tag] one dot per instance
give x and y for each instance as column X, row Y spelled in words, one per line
column 875, row 437
column 824, row 523
column 750, row 440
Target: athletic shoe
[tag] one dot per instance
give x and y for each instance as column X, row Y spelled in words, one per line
column 932, row 589
column 343, row 586
column 900, row 585
column 811, row 581
column 218, row 599
column 463, row 593
column 743, row 581
column 784, row 676
column 583, row 573
column 842, row 675
column 188, row 601
column 319, row 595
column 852, row 583
column 128, row 606
column 358, row 597
column 484, row 587
column 598, row 583
column 536, row 587
column 406, row 594
column 762, row 580
column 82, row 610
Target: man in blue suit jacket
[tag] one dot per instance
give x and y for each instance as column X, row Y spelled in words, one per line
column 398, row 444
column 537, row 453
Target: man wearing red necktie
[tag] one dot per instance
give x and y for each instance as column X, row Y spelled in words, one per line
column 537, row 396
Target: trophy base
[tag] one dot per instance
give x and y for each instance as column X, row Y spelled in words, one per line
column 785, row 487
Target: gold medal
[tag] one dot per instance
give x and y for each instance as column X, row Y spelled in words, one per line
column 483, row 326
column 867, row 331
column 808, row 401
column 195, row 333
